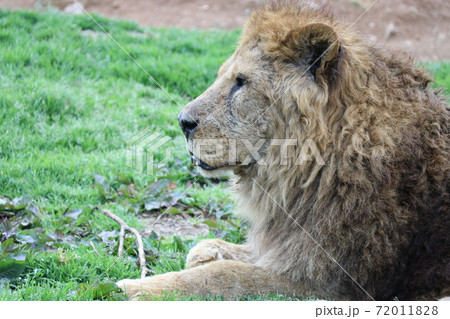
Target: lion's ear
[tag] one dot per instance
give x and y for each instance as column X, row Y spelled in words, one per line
column 316, row 46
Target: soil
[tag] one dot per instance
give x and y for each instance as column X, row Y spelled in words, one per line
column 168, row 225
column 420, row 27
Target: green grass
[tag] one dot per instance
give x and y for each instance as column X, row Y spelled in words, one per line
column 69, row 100
column 66, row 93
column 441, row 72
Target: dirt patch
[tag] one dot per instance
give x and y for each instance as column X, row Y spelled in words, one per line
column 169, row 225
column 415, row 26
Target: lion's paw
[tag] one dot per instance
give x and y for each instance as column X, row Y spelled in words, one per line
column 205, row 252
column 131, row 287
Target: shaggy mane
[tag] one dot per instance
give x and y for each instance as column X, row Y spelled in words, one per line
column 383, row 134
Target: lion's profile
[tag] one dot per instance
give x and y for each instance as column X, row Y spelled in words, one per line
column 372, row 221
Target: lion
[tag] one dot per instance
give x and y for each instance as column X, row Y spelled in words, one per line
column 364, row 214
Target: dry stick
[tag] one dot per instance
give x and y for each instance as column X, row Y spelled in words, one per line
column 123, row 228
column 93, row 247
column 121, row 240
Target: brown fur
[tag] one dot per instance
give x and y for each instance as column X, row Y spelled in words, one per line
column 379, row 206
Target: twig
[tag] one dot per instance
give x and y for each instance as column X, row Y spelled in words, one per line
column 93, row 247
column 121, row 240
column 124, row 227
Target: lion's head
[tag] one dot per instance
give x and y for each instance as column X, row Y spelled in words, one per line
column 274, row 87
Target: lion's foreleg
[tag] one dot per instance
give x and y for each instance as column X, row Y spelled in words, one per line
column 226, row 278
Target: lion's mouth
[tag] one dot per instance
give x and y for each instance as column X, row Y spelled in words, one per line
column 198, row 162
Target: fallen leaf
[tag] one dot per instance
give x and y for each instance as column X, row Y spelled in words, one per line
column 74, row 214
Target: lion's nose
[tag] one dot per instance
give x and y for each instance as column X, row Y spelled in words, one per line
column 188, row 123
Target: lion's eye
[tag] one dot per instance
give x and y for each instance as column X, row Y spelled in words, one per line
column 240, row 81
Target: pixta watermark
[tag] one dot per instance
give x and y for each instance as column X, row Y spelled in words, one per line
column 141, row 149
column 288, row 151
